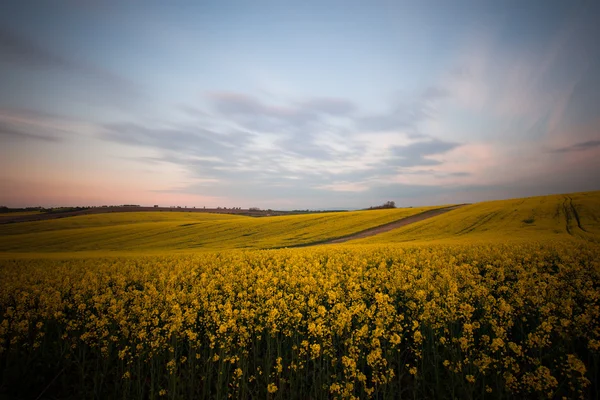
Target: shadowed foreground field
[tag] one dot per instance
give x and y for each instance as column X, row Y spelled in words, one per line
column 460, row 312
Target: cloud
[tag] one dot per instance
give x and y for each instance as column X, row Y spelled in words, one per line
column 9, row 131
column 22, row 51
column 230, row 103
column 416, row 154
column 408, row 113
column 288, row 118
column 17, row 49
column 345, row 187
column 231, row 157
column 459, row 174
column 329, row 106
column 36, row 125
column 433, row 93
column 591, row 144
column 300, row 129
column 403, row 118
column 305, row 148
column 196, row 148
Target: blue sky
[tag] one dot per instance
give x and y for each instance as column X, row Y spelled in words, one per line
column 296, row 104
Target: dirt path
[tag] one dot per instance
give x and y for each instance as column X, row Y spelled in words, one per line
column 389, row 226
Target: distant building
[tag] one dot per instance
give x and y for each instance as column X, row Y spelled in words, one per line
column 156, row 206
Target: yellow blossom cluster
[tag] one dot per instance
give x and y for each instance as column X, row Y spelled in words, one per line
column 327, row 322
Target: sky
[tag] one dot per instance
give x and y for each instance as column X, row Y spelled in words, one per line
column 296, row 104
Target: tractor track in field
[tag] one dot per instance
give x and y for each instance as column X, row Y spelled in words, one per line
column 566, row 210
column 385, row 227
column 575, row 213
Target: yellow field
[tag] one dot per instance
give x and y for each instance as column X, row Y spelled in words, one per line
column 146, row 231
column 326, row 322
column 18, row 214
column 559, row 217
column 494, row 300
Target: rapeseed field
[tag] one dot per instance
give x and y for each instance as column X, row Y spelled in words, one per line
column 447, row 315
column 355, row 321
column 150, row 231
column 557, row 217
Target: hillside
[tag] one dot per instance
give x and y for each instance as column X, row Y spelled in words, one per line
column 176, row 231
column 559, row 217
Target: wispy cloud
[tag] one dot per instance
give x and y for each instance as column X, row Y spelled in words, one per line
column 477, row 96
column 416, row 154
column 36, row 125
column 591, row 144
column 9, row 131
column 22, row 51
column 18, row 49
column 314, row 145
column 328, row 106
column 184, row 140
column 256, row 114
column 408, row 113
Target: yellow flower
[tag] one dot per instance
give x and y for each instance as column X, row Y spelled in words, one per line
column 497, row 343
column 316, row 350
column 271, row 388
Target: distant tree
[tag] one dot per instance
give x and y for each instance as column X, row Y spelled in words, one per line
column 387, row 204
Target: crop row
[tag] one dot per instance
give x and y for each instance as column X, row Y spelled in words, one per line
column 478, row 321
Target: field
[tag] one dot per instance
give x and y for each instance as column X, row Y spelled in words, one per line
column 559, row 217
column 18, row 214
column 490, row 300
column 153, row 231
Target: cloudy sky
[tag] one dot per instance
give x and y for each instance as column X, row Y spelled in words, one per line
column 296, row 104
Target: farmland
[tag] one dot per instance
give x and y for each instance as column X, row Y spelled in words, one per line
column 176, row 231
column 559, row 217
column 11, row 215
column 491, row 300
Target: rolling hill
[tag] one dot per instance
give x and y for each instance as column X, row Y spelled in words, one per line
column 555, row 217
column 148, row 231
